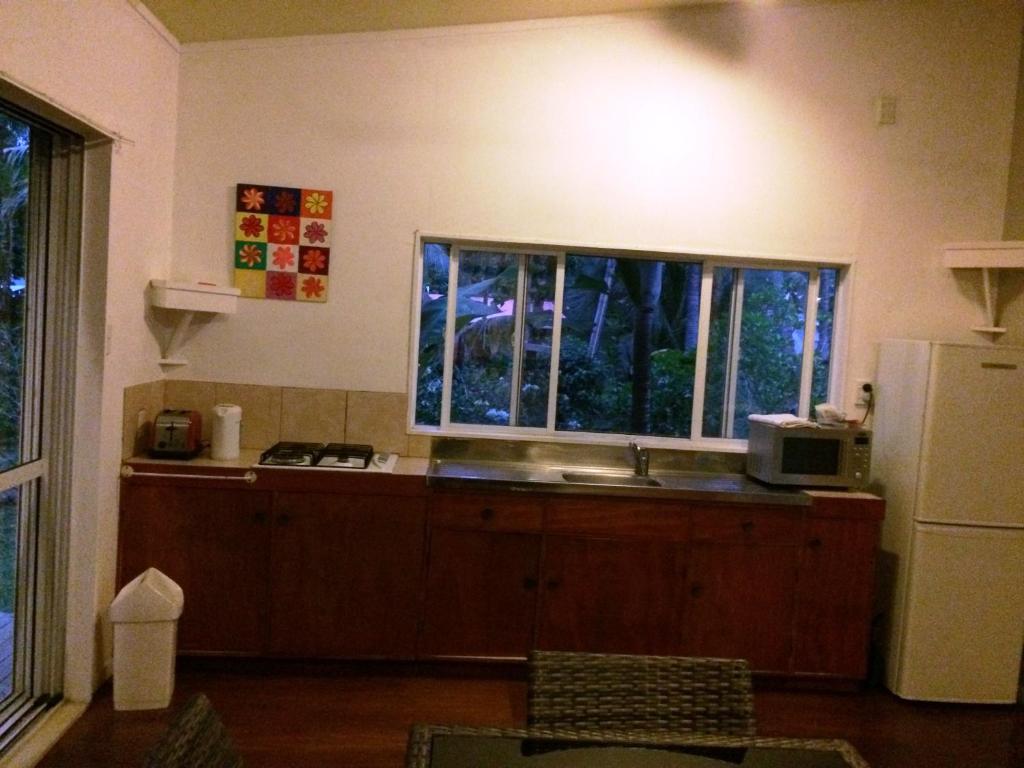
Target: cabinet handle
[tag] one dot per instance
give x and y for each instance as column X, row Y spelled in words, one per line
column 814, row 543
column 553, row 583
column 259, row 517
column 486, row 513
column 529, row 583
column 283, row 519
column 747, row 526
column 696, row 590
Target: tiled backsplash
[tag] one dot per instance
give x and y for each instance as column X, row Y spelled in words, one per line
column 270, row 414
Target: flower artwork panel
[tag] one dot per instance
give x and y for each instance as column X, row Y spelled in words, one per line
column 282, row 241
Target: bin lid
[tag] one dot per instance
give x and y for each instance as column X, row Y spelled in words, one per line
column 150, row 596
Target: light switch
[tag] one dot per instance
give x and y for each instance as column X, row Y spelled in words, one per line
column 885, row 110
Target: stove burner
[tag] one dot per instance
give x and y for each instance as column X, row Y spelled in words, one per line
column 291, row 454
column 331, row 455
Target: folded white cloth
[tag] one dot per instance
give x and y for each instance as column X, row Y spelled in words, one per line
column 781, row 419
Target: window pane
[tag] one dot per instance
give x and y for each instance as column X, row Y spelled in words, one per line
column 8, row 585
column 757, row 365
column 433, row 320
column 538, row 321
column 824, row 326
column 14, row 163
column 484, row 325
column 629, row 338
column 715, row 389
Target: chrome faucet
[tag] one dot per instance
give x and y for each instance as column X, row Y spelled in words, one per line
column 641, row 459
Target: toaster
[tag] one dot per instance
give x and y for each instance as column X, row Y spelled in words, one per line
column 177, row 434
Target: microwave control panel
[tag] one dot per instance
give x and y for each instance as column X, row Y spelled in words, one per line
column 860, row 458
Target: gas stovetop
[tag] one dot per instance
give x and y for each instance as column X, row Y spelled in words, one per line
column 320, row 455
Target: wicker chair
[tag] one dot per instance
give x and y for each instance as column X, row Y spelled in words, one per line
column 640, row 694
column 195, row 739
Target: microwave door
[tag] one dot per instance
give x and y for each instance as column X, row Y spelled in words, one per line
column 812, row 460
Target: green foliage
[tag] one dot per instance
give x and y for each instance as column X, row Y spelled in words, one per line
column 627, row 360
column 14, row 138
column 672, row 373
column 591, row 396
column 14, row 160
column 8, row 548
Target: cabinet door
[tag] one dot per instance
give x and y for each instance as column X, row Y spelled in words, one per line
column 214, row 543
column 481, row 593
column 612, row 595
column 344, row 577
column 741, row 603
column 834, row 594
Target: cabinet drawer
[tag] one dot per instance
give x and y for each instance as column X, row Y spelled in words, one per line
column 632, row 517
column 486, row 512
column 756, row 525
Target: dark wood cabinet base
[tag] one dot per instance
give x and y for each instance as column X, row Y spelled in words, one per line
column 383, row 569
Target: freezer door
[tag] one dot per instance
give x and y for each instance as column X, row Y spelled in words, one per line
column 964, row 616
column 973, row 444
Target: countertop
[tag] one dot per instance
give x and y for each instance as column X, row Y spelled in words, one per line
column 248, row 458
column 693, row 486
column 482, row 475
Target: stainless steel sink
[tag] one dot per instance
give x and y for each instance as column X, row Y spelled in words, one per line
column 607, row 478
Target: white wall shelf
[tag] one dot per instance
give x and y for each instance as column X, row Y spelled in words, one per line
column 185, row 299
column 989, row 256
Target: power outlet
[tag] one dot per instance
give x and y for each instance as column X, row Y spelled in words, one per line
column 865, row 393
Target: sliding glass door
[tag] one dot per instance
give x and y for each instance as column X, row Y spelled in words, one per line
column 40, row 179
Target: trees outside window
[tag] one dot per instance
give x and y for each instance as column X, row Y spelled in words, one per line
column 558, row 342
column 40, row 215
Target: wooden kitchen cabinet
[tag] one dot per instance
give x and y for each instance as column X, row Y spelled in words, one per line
column 608, row 595
column 481, row 594
column 836, row 584
column 213, row 541
column 345, row 575
column 310, row 564
column 272, row 569
column 613, row 576
column 741, row 584
column 482, row 576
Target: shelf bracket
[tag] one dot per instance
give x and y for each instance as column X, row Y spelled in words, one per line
column 177, row 339
column 989, row 257
column 990, row 286
column 185, row 299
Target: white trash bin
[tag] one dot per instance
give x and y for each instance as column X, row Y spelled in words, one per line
column 145, row 618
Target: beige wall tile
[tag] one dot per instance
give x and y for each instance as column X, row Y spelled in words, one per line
column 141, row 402
column 193, row 396
column 419, row 446
column 378, row 418
column 261, row 412
column 313, row 415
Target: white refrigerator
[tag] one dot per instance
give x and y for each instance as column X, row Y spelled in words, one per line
column 948, row 456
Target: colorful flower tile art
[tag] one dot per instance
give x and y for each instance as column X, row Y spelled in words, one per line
column 282, row 242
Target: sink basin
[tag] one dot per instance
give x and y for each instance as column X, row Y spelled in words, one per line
column 602, row 478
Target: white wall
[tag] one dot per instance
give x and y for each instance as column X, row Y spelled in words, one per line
column 722, row 128
column 105, row 64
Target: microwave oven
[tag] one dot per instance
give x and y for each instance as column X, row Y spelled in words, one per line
column 831, row 456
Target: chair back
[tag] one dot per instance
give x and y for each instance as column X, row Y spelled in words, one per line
column 644, row 694
column 195, row 739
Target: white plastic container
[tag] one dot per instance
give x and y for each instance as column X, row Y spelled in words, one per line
column 226, row 433
column 145, row 616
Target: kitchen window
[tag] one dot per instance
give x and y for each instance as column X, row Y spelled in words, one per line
column 535, row 341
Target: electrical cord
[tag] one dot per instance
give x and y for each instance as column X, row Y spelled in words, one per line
column 869, row 395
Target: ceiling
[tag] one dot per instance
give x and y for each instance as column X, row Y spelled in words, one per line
column 193, row 21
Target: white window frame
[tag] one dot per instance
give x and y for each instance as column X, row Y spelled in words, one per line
column 44, row 477
column 710, row 260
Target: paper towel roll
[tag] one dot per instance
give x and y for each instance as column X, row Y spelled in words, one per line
column 227, row 428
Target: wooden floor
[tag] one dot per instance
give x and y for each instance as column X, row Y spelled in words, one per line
column 295, row 717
